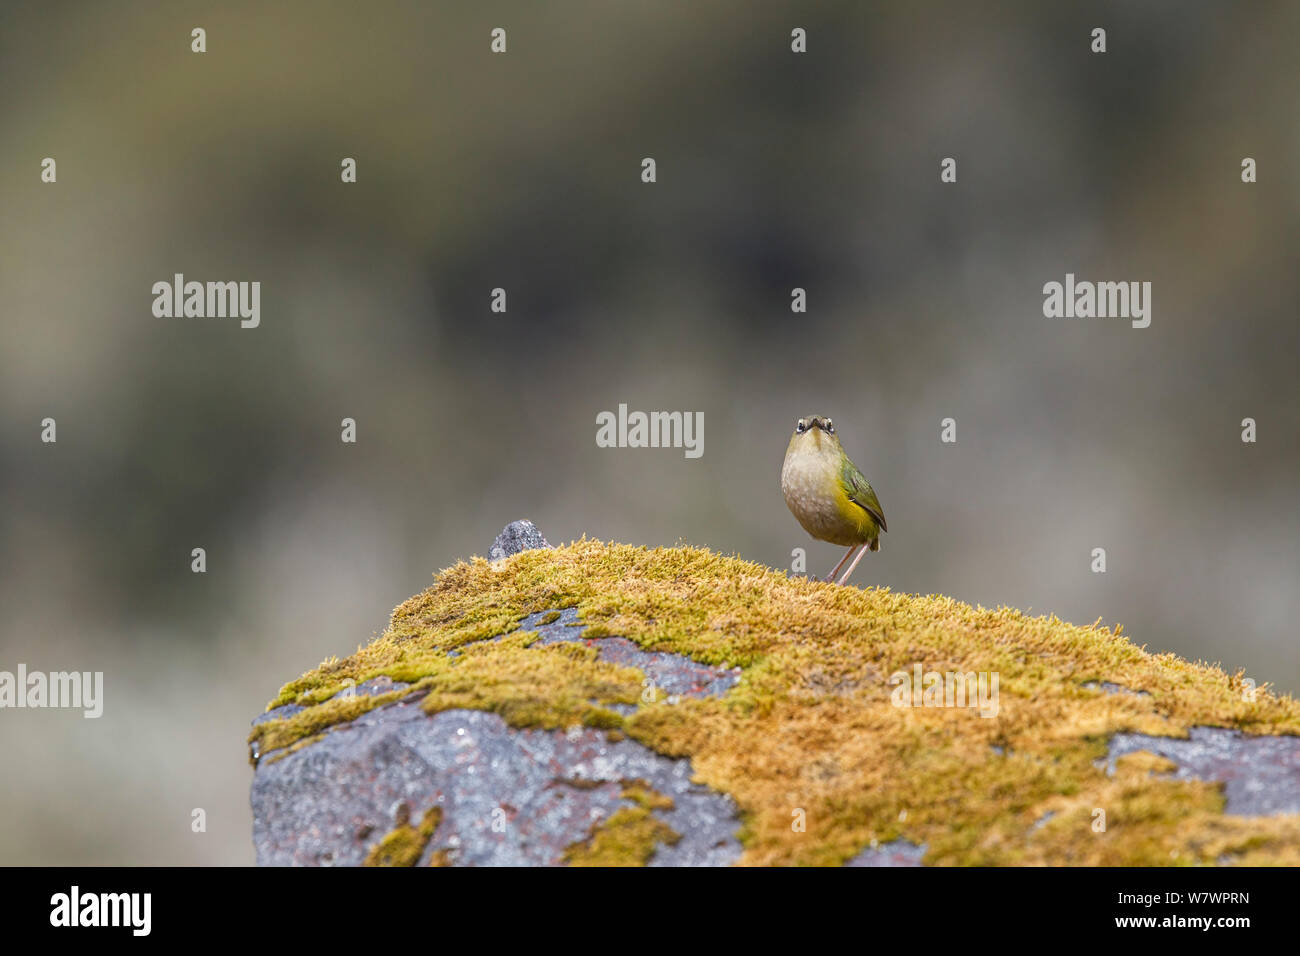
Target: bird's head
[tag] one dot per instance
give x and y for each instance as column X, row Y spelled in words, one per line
column 815, row 432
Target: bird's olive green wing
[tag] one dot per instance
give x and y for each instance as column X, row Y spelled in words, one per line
column 860, row 492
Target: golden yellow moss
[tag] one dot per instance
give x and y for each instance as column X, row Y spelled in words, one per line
column 1144, row 761
column 294, row 747
column 404, row 844
column 643, row 795
column 630, row 835
column 811, row 726
column 275, row 734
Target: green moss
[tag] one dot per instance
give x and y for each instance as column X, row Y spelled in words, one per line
column 272, row 735
column 404, row 844
column 630, row 835
column 628, row 838
column 810, row 726
column 294, row 747
column 1145, row 762
column 643, row 795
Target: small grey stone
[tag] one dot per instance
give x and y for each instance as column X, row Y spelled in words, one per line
column 515, row 537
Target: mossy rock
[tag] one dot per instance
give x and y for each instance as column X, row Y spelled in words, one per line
column 788, row 746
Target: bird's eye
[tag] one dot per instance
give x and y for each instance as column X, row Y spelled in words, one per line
column 798, row 428
column 829, row 427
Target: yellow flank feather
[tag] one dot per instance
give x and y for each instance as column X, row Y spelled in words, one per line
column 853, row 515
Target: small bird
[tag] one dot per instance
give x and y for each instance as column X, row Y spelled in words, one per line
column 827, row 493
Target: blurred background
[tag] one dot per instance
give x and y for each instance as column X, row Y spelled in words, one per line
column 522, row 171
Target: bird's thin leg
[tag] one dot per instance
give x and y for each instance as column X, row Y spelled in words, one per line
column 854, row 564
column 847, row 555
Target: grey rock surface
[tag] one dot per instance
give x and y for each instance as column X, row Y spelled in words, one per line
column 372, row 687
column 1109, row 687
column 508, row 797
column 515, row 537
column 671, row 674
column 893, row 853
column 1261, row 775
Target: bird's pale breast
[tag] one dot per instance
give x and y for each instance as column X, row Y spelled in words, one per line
column 810, row 483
